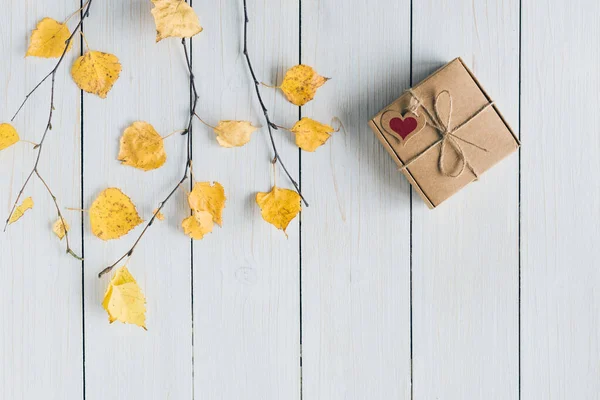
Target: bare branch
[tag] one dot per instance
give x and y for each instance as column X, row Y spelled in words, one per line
column 40, row 146
column 270, row 125
column 188, row 163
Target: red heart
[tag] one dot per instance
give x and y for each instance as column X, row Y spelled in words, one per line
column 403, row 127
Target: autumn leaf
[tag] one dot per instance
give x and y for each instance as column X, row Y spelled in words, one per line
column 207, row 197
column 124, row 300
column 20, row 210
column 311, row 134
column 142, row 147
column 301, row 83
column 48, row 39
column 113, row 214
column 198, row 225
column 59, row 228
column 234, row 133
column 279, row 206
column 8, row 136
column 174, row 18
column 96, row 72
column 159, row 216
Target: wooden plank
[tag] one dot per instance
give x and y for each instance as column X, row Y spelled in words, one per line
column 40, row 285
column 355, row 235
column 246, row 288
column 124, row 361
column 560, row 337
column 465, row 253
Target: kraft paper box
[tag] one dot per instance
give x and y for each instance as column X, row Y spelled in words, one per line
column 444, row 133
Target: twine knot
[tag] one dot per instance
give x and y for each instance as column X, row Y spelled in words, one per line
column 446, row 131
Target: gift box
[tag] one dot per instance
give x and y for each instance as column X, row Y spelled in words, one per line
column 444, row 132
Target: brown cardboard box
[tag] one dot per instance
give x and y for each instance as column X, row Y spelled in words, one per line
column 484, row 139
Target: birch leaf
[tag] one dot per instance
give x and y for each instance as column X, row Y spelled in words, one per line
column 113, row 214
column 48, row 39
column 175, row 18
column 124, row 300
column 301, row 83
column 234, row 133
column 96, row 72
column 8, row 136
column 142, row 147
column 60, row 229
column 20, row 210
column 198, row 225
column 207, row 197
column 279, row 206
column 311, row 134
column 159, row 216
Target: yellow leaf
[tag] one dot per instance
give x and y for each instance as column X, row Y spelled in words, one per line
column 234, row 133
column 60, row 229
column 175, row 18
column 20, row 210
column 205, row 197
column 48, row 39
column 142, row 147
column 8, row 136
column 96, row 72
column 198, row 225
column 279, row 206
column 301, row 83
column 113, row 214
column 311, row 134
column 124, row 300
column 159, row 216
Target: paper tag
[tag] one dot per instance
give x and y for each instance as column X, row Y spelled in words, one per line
column 402, row 126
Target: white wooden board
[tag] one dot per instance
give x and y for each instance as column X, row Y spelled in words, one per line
column 124, row 361
column 40, row 285
column 560, row 337
column 465, row 252
column 246, row 288
column 356, row 236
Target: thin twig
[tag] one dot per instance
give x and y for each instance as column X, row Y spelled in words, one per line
column 40, row 146
column 204, row 122
column 270, row 125
column 188, row 164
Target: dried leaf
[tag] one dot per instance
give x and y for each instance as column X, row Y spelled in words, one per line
column 301, row 83
column 198, row 225
column 20, row 210
column 96, row 72
column 279, row 206
column 311, row 134
column 175, row 18
column 48, row 39
column 113, row 214
column 159, row 216
column 234, row 133
column 207, row 197
column 124, row 300
column 142, row 147
column 8, row 136
column 60, row 229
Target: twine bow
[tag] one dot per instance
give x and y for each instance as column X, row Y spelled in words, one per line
column 447, row 134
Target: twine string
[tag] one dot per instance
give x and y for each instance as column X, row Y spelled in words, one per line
column 447, row 133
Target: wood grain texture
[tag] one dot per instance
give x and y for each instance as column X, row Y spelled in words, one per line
column 124, row 361
column 246, row 288
column 326, row 313
column 560, row 357
column 465, row 252
column 40, row 285
column 355, row 236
